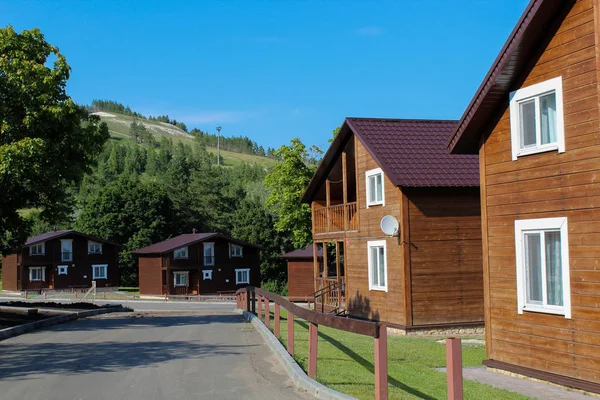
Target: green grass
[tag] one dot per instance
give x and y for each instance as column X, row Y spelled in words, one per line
column 345, row 363
column 133, row 290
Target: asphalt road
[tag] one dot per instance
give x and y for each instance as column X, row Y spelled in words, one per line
column 172, row 355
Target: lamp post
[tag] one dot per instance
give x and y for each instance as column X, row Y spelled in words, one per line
column 218, row 145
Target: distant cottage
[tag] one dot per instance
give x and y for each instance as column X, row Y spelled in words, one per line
column 300, row 268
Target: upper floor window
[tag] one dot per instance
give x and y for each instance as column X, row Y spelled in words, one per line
column 235, row 250
column 537, row 119
column 542, row 251
column 375, row 192
column 377, row 265
column 66, row 249
column 209, row 253
column 94, row 247
column 181, row 253
column 37, row 249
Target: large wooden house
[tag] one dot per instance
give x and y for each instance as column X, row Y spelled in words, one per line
column 62, row 259
column 197, row 263
column 534, row 122
column 429, row 273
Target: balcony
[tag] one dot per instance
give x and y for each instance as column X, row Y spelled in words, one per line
column 338, row 218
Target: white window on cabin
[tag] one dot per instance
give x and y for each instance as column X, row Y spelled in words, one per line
column 62, row 269
column 37, row 274
column 235, row 250
column 542, row 251
column 209, row 253
column 242, row 276
column 37, row 249
column 375, row 192
column 537, row 119
column 207, row 274
column 99, row 271
column 66, row 250
column 94, row 247
column 180, row 278
column 181, row 253
column 377, row 264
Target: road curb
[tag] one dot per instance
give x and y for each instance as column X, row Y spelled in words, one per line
column 61, row 319
column 296, row 374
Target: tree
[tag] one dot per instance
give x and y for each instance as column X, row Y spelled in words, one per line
column 47, row 142
column 287, row 182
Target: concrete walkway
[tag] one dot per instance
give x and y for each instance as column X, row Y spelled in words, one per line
column 210, row 354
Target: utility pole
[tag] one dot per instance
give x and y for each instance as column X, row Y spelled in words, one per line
column 218, row 145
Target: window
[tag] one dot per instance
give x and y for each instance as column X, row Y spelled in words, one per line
column 235, row 250
column 181, row 253
column 377, row 265
column 37, row 249
column 180, row 278
column 94, row 247
column 66, row 249
column 37, row 274
column 242, row 276
column 99, row 271
column 209, row 253
column 375, row 193
column 62, row 269
column 536, row 118
column 542, row 250
column 206, row 274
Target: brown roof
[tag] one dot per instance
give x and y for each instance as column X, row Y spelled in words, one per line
column 412, row 153
column 306, row 252
column 185, row 239
column 519, row 54
column 61, row 233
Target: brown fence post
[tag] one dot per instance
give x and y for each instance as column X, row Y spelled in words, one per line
column 454, row 369
column 276, row 320
column 381, row 365
column 248, row 307
column 253, row 302
column 259, row 301
column 313, row 340
column 290, row 333
column 267, row 312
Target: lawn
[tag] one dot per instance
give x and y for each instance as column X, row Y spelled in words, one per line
column 345, row 363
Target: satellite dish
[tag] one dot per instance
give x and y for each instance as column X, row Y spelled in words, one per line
column 389, row 225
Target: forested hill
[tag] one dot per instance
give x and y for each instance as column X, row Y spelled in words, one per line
column 119, row 119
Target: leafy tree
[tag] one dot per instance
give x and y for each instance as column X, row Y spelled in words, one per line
column 47, row 142
column 287, row 182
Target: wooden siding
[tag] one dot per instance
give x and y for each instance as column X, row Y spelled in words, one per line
column 300, row 277
column 9, row 272
column 150, row 275
column 542, row 186
column 446, row 265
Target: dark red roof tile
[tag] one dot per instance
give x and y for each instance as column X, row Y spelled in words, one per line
column 306, row 252
column 184, row 240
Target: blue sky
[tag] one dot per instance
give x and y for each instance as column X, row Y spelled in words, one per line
column 274, row 70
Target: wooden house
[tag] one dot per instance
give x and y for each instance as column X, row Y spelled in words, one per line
column 429, row 273
column 62, row 259
column 300, row 267
column 197, row 263
column 534, row 123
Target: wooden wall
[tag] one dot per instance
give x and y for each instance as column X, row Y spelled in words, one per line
column 150, row 275
column 542, row 186
column 300, row 277
column 9, row 272
column 446, row 255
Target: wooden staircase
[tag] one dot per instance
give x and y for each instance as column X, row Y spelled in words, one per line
column 330, row 299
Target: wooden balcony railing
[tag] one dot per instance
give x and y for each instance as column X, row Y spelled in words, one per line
column 338, row 218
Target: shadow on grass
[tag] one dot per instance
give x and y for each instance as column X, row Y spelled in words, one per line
column 368, row 365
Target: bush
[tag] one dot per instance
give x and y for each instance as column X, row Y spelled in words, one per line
column 280, row 288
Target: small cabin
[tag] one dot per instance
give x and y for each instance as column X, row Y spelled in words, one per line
column 535, row 124
column 198, row 263
column 62, row 260
column 300, row 269
column 426, row 273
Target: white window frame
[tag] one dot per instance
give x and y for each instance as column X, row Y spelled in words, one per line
column 96, row 245
column 69, row 258
column 206, row 245
column 241, row 270
column 542, row 224
column 368, row 174
column 94, row 276
column 42, row 274
column 232, row 253
column 40, row 246
column 182, row 250
column 206, row 274
column 534, row 92
column 181, row 273
column 62, row 269
column 372, row 285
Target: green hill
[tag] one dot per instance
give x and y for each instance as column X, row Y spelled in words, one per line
column 118, row 126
